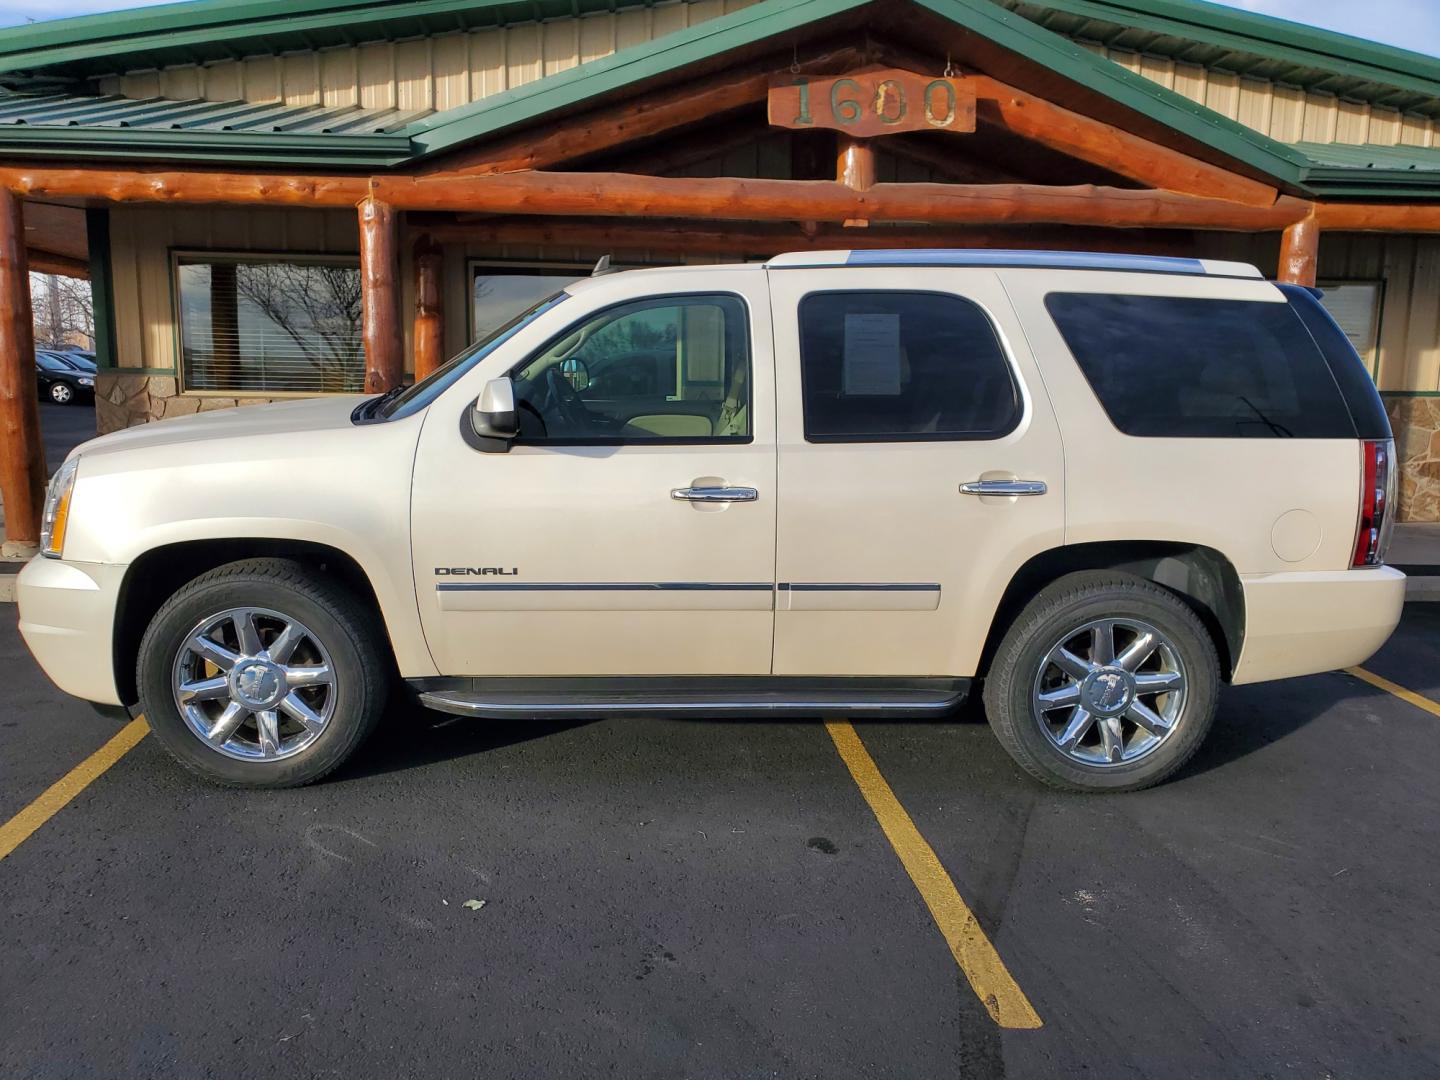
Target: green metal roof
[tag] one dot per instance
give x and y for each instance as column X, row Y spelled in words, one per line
column 1248, row 43
column 59, row 122
column 203, row 31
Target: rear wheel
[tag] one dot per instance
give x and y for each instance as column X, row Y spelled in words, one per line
column 262, row 674
column 1106, row 682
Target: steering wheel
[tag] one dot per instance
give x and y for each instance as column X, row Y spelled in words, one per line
column 566, row 402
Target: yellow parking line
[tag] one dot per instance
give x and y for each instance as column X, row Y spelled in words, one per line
column 990, row 980
column 15, row 831
column 1395, row 688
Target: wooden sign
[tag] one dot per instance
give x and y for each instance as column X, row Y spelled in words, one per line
column 872, row 103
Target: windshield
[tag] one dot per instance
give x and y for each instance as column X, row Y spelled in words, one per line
column 428, row 389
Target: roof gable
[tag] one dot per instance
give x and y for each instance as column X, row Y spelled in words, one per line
column 771, row 24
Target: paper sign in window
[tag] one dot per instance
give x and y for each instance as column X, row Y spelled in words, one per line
column 872, row 355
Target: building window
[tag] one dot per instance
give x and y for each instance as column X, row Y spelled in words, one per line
column 268, row 324
column 898, row 366
column 1355, row 305
column 500, row 291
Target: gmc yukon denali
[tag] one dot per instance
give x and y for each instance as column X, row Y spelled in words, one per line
column 1092, row 487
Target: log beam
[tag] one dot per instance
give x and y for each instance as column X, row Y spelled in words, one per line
column 380, row 296
column 1300, row 253
column 22, row 454
column 51, row 262
column 855, row 163
column 429, row 333
column 1379, row 217
column 720, row 198
column 1111, row 148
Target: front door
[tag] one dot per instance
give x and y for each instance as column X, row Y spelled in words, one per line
column 630, row 529
column 909, row 388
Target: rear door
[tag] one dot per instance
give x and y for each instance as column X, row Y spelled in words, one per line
column 909, row 410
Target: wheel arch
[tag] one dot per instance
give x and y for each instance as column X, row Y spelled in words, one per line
column 156, row 574
column 1202, row 577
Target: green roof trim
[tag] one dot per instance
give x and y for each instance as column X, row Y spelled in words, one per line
column 1240, row 40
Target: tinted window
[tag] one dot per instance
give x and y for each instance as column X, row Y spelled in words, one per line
column 900, row 365
column 664, row 369
column 1366, row 408
column 1195, row 368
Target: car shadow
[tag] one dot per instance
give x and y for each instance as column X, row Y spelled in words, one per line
column 411, row 737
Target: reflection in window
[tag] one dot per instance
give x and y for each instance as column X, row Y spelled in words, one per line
column 265, row 326
column 498, row 294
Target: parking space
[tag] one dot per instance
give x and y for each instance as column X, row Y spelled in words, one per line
column 669, row 898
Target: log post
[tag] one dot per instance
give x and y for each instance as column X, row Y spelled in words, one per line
column 380, row 296
column 855, row 168
column 1300, row 253
column 429, row 314
column 22, row 455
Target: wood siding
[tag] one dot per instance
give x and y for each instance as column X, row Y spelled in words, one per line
column 423, row 74
column 1285, row 113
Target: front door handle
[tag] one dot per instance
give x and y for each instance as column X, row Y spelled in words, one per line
column 715, row 494
column 1004, row 487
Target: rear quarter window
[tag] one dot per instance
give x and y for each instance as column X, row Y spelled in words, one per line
column 1185, row 367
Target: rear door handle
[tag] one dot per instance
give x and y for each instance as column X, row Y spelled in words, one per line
column 715, row 494
column 1004, row 487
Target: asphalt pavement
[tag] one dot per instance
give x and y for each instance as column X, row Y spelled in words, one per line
column 711, row 899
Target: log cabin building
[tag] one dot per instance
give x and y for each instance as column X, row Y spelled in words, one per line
column 291, row 197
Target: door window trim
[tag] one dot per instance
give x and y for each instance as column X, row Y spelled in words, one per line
column 1017, row 387
column 656, row 300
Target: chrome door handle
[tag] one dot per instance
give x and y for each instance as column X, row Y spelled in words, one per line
column 1004, row 487
column 715, row 494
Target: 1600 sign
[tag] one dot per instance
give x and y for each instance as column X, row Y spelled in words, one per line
column 873, row 103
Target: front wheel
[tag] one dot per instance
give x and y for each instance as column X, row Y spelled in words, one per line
column 262, row 674
column 61, row 394
column 1105, row 682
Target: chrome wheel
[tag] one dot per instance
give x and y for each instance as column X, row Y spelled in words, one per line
column 1110, row 692
column 254, row 684
column 61, row 394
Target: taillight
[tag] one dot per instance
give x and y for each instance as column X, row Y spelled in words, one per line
column 1377, row 497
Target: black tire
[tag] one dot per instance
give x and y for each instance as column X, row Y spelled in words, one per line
column 1066, row 605
column 61, row 394
column 346, row 628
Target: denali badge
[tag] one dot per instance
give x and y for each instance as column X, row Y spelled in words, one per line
column 474, row 571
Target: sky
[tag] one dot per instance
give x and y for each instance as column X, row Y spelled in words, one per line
column 1411, row 24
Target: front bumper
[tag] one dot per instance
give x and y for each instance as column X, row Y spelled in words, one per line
column 1309, row 622
column 67, row 618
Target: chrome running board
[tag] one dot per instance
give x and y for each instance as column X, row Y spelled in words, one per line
column 493, row 699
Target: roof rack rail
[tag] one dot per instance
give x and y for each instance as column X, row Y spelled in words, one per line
column 993, row 258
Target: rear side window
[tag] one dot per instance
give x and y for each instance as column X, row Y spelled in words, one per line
column 1184, row 367
column 1366, row 409
column 902, row 366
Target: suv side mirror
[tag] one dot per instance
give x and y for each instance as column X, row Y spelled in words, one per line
column 493, row 416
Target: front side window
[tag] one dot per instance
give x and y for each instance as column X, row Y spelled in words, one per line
column 1191, row 367
column 902, row 366
column 664, row 369
column 266, row 324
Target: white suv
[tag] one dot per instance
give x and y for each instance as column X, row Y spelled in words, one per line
column 836, row 484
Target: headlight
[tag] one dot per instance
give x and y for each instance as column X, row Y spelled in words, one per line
column 86, row 382
column 57, row 509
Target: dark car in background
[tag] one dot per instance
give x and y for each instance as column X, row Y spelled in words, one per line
column 64, row 378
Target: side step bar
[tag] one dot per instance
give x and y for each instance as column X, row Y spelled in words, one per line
column 511, row 699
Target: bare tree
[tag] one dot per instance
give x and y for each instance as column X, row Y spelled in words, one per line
column 64, row 311
column 317, row 307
